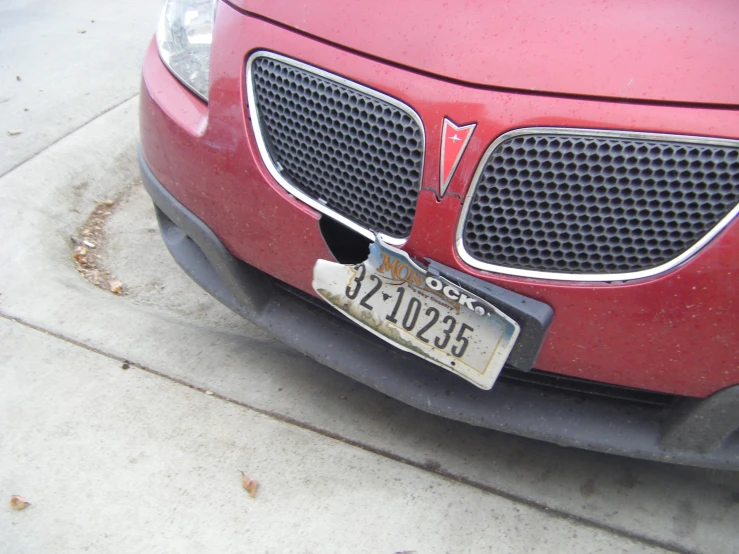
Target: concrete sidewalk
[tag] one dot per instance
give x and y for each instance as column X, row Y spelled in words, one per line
column 118, row 460
column 63, row 64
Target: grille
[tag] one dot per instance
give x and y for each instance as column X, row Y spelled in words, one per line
column 357, row 153
column 569, row 203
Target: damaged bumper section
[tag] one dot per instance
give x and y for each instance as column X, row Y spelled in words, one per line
column 539, row 405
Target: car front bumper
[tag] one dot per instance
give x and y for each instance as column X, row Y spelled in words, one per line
column 673, row 429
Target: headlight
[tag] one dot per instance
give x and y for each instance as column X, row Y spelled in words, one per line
column 184, row 36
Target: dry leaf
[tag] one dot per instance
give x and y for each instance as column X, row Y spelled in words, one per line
column 13, row 132
column 87, row 240
column 19, row 503
column 79, row 255
column 249, row 484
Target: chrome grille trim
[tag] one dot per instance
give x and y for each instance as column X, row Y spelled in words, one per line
column 588, row 277
column 276, row 174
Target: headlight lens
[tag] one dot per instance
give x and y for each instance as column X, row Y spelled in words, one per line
column 184, row 37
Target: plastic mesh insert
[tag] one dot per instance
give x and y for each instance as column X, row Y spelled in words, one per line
column 354, row 153
column 588, row 205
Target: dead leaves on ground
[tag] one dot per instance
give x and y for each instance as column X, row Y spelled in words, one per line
column 19, row 503
column 86, row 253
column 249, row 484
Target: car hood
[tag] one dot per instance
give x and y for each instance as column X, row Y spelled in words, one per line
column 651, row 50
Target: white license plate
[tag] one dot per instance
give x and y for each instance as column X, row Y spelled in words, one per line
column 397, row 300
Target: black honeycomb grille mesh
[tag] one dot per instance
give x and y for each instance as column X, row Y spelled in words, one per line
column 588, row 205
column 354, row 153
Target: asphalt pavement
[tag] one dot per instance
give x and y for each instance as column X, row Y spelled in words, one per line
column 126, row 419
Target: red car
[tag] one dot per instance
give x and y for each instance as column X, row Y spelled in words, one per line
column 514, row 214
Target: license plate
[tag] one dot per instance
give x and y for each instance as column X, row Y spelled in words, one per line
column 400, row 302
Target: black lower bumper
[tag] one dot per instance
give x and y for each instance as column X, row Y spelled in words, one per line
column 683, row 431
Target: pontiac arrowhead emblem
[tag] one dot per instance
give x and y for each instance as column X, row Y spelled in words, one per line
column 453, row 142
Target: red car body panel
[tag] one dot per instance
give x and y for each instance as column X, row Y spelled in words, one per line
column 675, row 333
column 667, row 50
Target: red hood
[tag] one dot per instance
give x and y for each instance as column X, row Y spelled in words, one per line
column 668, row 50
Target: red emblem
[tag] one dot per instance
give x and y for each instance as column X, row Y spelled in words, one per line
column 453, row 142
